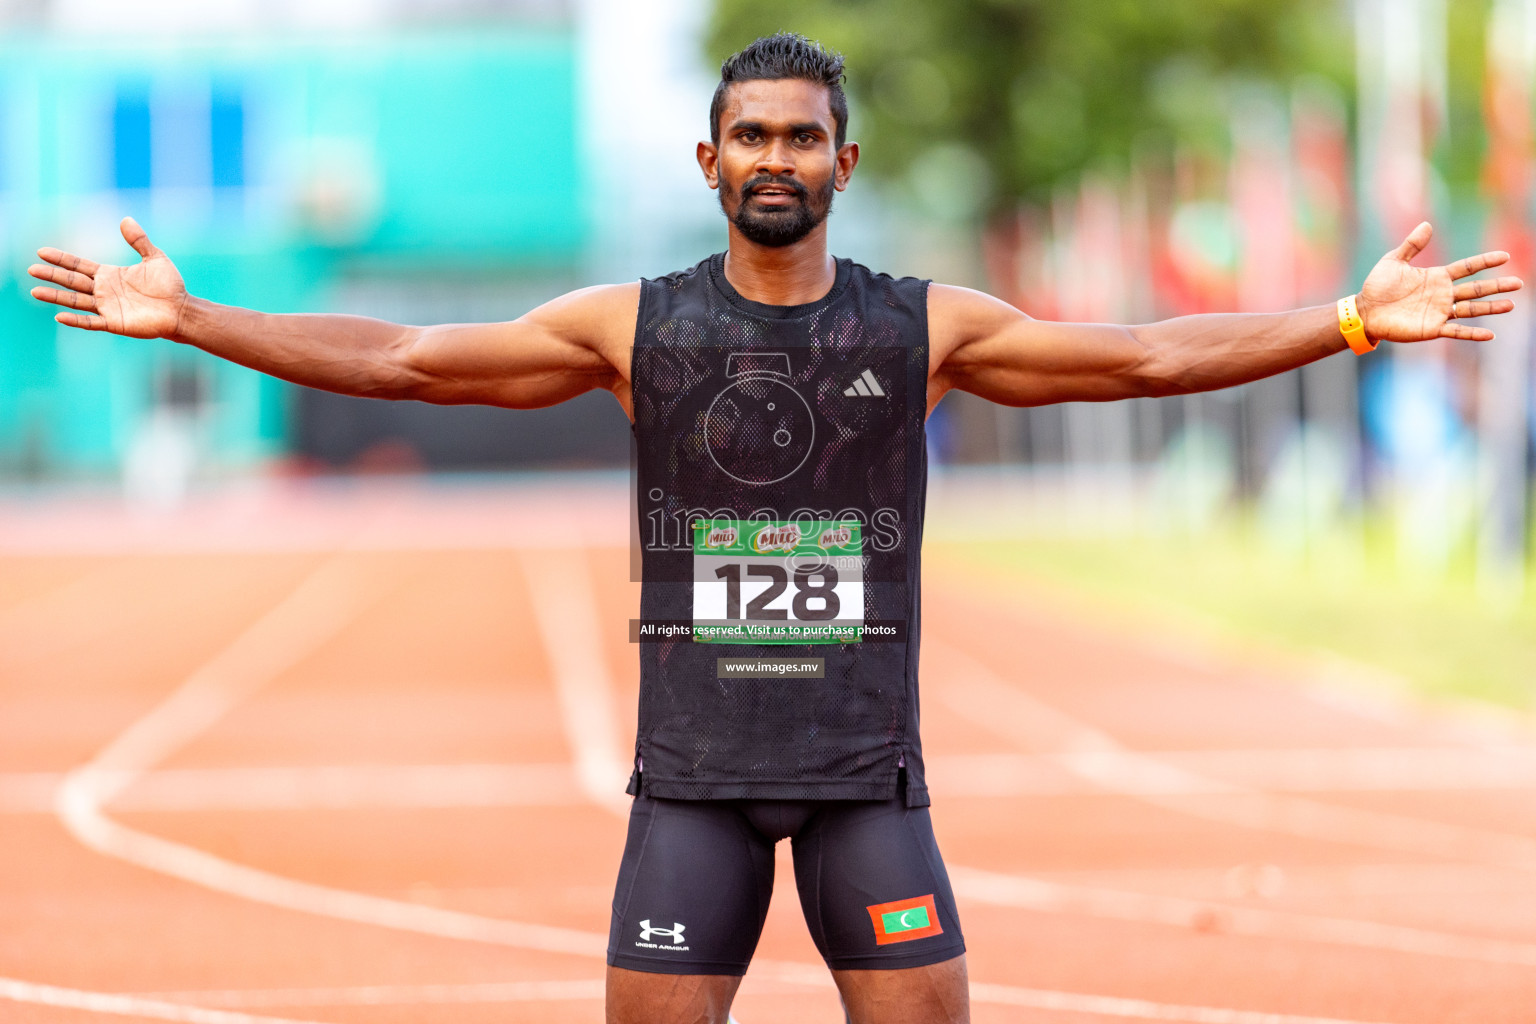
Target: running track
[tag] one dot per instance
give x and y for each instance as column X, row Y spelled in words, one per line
column 319, row 754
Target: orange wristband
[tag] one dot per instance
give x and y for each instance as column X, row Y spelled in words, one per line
column 1353, row 328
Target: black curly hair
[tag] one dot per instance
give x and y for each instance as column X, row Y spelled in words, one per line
column 785, row 55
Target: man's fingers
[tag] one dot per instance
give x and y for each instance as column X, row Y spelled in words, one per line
column 60, row 297
column 68, row 260
column 88, row 323
column 67, row 278
column 1465, row 333
column 1414, row 244
column 138, row 238
column 1472, row 264
column 1466, row 310
column 1487, row 286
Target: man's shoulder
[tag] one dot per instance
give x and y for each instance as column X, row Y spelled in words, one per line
column 678, row 278
column 884, row 278
column 900, row 295
column 598, row 302
column 601, row 317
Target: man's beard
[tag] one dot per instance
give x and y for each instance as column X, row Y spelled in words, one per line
column 777, row 226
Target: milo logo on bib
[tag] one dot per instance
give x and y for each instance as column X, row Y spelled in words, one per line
column 776, row 538
column 779, row 582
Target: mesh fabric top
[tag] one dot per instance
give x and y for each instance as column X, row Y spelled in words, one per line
column 753, row 413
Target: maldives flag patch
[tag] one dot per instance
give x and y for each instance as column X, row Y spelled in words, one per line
column 905, row 920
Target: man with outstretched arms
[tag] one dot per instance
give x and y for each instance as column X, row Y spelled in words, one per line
column 778, row 396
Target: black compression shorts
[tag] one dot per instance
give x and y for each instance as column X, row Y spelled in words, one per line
column 697, row 876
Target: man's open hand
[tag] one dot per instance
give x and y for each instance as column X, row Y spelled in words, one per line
column 141, row 301
column 1401, row 302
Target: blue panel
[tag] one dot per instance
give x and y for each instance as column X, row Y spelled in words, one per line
column 130, row 141
column 226, row 134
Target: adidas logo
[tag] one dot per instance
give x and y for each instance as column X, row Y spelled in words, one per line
column 865, row 386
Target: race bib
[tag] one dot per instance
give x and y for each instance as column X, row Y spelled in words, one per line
column 777, row 582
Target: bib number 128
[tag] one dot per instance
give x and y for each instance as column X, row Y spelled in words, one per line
column 777, row 582
column 812, row 583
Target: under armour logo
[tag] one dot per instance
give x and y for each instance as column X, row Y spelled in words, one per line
column 866, row 386
column 675, row 933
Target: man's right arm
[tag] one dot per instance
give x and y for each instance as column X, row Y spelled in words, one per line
column 573, row 344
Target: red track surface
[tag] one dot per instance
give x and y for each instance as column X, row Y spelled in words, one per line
column 1134, row 834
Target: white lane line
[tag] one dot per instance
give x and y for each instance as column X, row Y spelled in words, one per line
column 1423, row 769
column 349, row 787
column 284, row 636
column 985, row 698
column 1052, row 897
column 216, row 873
column 325, row 602
column 339, row 787
column 319, row 787
column 127, row 1005
column 333, row 596
column 414, row 995
column 314, row 787
column 1359, row 769
column 393, row 995
column 565, row 608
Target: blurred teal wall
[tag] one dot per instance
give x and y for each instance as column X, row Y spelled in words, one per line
column 269, row 171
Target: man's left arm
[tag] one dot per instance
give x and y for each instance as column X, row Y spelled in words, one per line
column 989, row 348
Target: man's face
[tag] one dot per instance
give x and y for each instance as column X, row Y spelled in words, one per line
column 777, row 163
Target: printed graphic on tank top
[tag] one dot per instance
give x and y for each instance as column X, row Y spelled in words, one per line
column 780, row 476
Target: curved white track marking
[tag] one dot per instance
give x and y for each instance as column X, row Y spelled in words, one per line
column 324, row 602
column 340, row 787
column 349, row 787
column 1319, row 770
column 319, row 607
column 987, row 699
column 410, row 995
column 393, row 995
column 560, row 583
column 127, row 1005
column 211, row 872
column 1051, row 897
column 315, row 787
column 315, row 611
column 1368, row 769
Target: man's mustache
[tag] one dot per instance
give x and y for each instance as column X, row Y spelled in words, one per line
column 768, row 179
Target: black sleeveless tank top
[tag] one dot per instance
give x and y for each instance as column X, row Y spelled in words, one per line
column 781, row 470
